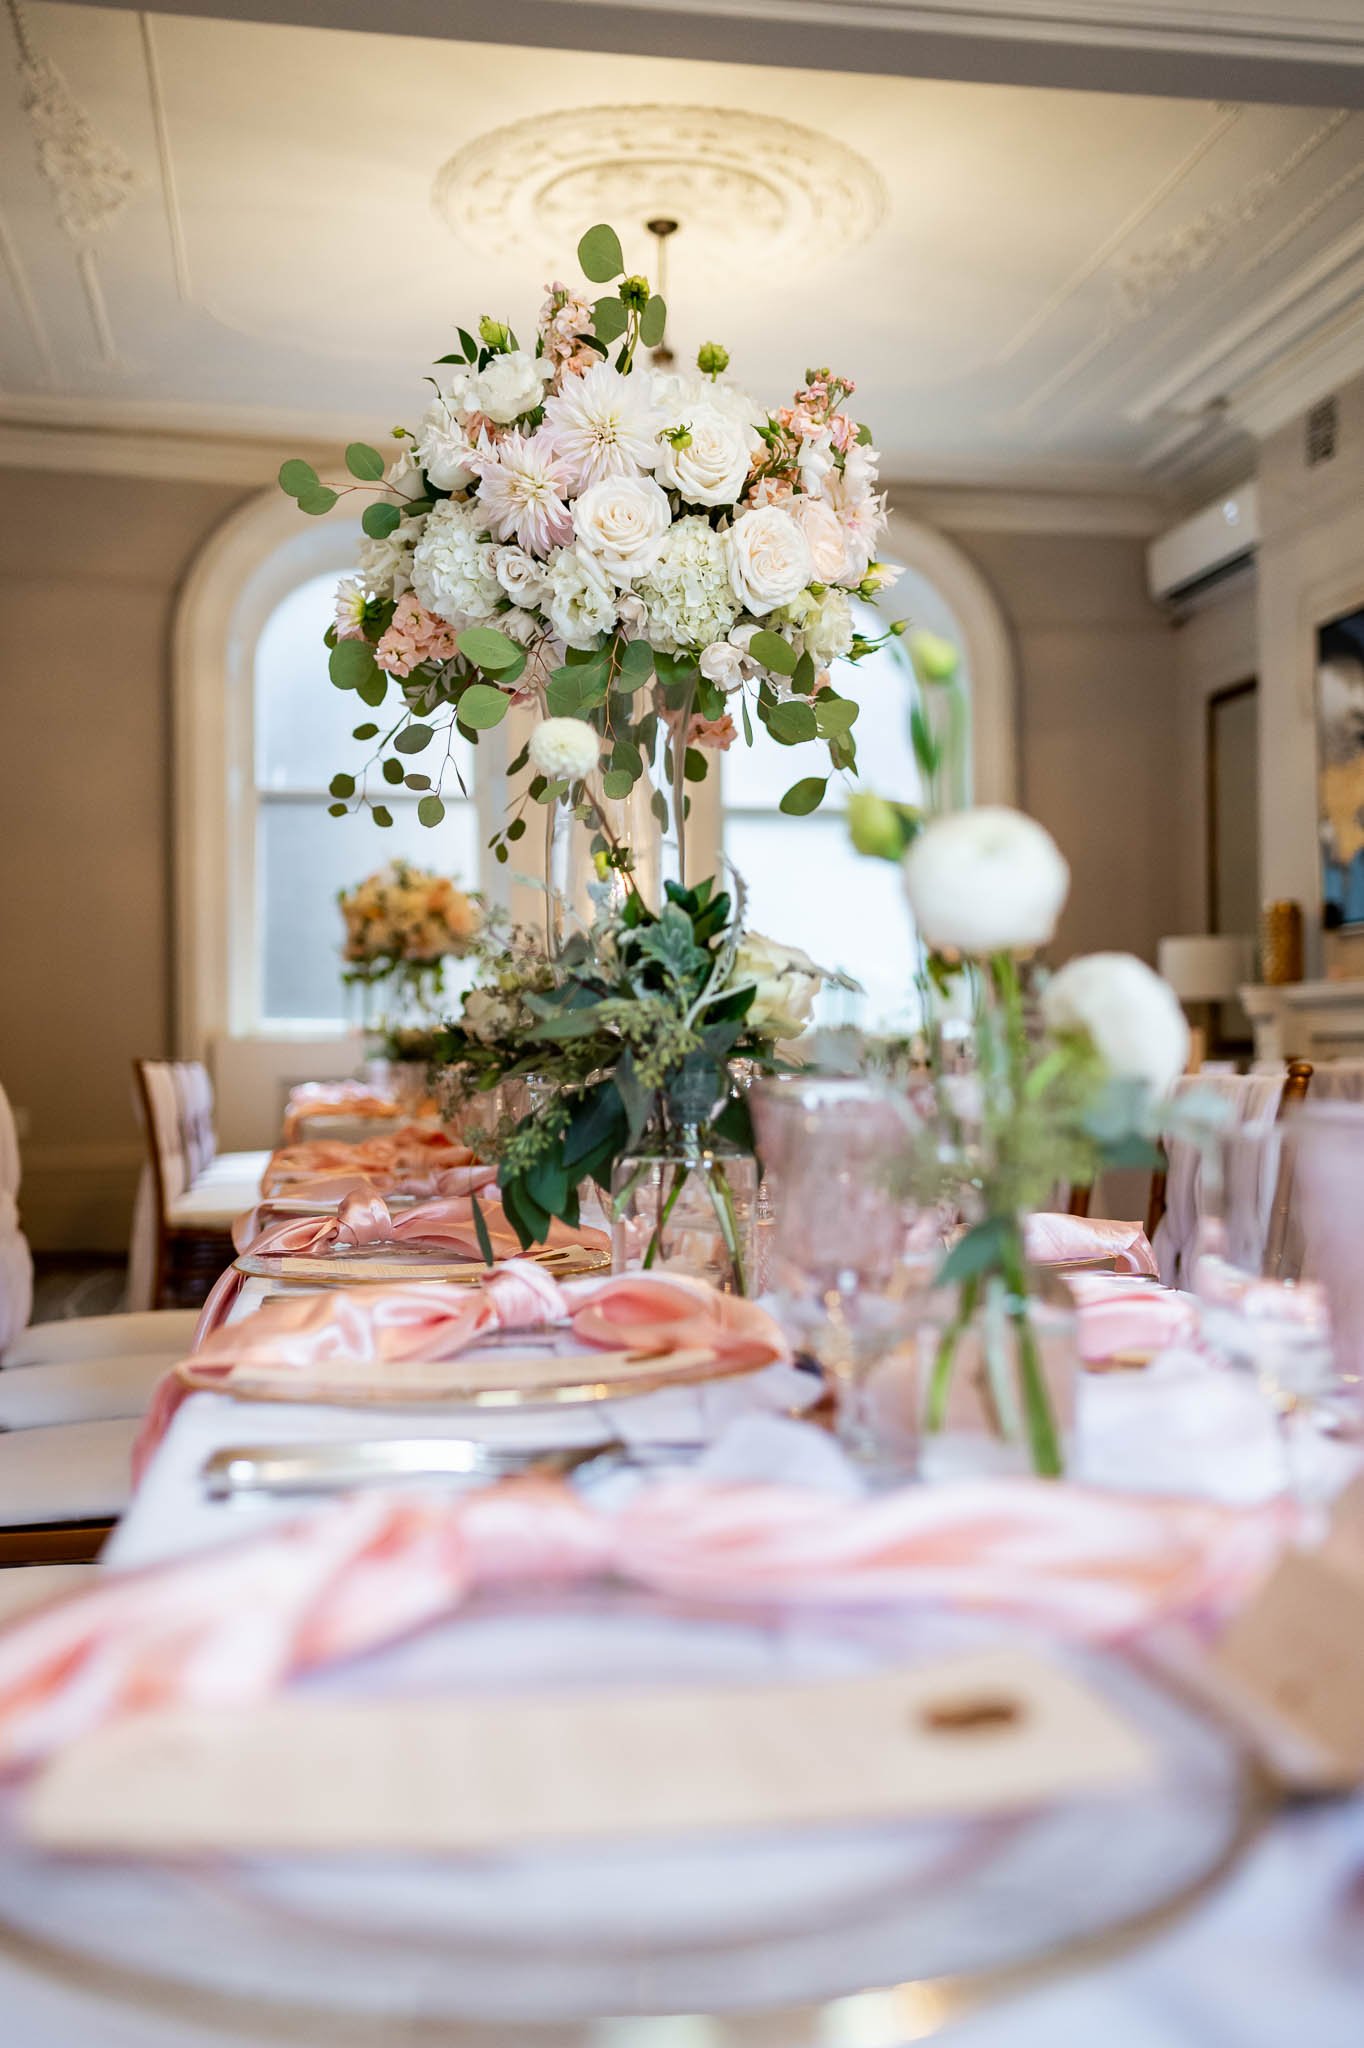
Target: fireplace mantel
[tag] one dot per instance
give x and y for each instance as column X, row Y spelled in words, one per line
column 1307, row 1020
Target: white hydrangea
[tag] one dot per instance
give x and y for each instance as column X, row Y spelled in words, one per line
column 564, row 749
column 581, row 603
column 385, row 567
column 688, row 596
column 454, row 572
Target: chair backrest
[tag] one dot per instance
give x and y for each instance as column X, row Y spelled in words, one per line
column 194, row 1092
column 16, row 1264
column 159, row 1098
column 1177, row 1194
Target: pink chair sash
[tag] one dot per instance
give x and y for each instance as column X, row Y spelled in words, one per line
column 226, row 1628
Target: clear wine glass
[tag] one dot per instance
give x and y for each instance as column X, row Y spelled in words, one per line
column 844, row 1281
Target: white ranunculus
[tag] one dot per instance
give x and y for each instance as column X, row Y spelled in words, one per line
column 827, row 628
column 581, row 604
column 620, row 522
column 521, row 576
column 443, row 445
column 453, row 571
column 712, row 469
column 722, row 663
column 786, row 983
column 824, row 531
column 511, row 386
column 769, row 559
column 564, row 749
column 1132, row 1017
column 984, row 881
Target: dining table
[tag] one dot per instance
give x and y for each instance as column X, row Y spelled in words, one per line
column 1263, row 1946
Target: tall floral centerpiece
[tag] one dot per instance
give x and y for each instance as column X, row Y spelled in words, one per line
column 402, row 925
column 652, row 562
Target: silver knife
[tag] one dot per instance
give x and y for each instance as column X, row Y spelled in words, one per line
column 315, row 1468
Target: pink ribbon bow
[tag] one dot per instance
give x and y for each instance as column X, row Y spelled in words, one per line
column 223, row 1629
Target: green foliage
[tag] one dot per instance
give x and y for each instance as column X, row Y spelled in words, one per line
column 414, row 737
column 599, row 254
column 488, row 649
column 482, row 706
column 789, row 724
column 430, row 811
column 652, row 322
column 774, row 653
column 804, row 796
column 609, row 319
column 351, row 663
column 341, row 785
column 365, row 462
column 381, row 519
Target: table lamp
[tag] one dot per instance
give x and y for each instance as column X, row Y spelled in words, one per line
column 1205, row 969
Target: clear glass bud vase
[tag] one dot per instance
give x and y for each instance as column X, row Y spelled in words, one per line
column 582, row 879
column 685, row 1199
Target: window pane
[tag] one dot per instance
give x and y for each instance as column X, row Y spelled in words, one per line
column 303, row 722
column 807, row 887
column 303, row 858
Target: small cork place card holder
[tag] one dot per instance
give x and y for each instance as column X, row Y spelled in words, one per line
column 992, row 1731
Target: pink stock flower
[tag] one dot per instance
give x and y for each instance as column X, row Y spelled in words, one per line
column 415, row 635
column 770, row 490
column 719, row 734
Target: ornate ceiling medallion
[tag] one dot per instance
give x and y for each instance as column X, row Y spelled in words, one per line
column 758, row 187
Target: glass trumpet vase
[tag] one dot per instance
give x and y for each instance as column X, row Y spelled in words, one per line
column 685, row 1199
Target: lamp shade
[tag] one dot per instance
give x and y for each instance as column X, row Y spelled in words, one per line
column 1206, row 967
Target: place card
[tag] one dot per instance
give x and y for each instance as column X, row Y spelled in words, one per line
column 988, row 1732
column 1293, row 1659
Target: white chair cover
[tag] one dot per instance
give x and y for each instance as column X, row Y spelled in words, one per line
column 1338, row 1081
column 16, row 1263
column 1254, row 1098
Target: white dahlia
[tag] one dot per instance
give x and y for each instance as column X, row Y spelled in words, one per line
column 603, row 424
column 454, row 571
column 522, row 490
column 564, row 749
column 581, row 605
column 688, row 597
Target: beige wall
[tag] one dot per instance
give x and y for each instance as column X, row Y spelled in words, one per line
column 1215, row 647
column 89, row 567
column 1311, row 568
column 1097, row 700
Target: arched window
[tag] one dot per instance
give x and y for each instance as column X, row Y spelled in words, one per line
column 302, row 736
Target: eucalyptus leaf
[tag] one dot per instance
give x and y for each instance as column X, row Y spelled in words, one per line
column 981, row 1250
column 392, row 771
column 365, row 462
column 652, row 322
column 414, row 737
column 373, row 689
column 789, row 724
column 350, row 663
column 805, row 796
column 636, row 666
column 316, row 501
column 834, row 715
column 482, row 706
column 609, row 320
column 430, row 811
column 365, row 732
column 488, row 649
column 616, row 783
column 382, row 815
column 774, row 653
column 341, row 785
column 297, row 476
column 600, row 254
column 380, row 519
column 338, row 810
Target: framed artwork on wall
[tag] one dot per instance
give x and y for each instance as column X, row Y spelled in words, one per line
column 1340, row 771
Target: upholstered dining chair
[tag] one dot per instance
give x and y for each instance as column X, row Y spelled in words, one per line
column 191, row 1193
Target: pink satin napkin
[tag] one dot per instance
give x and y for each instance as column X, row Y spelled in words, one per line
column 334, row 1098
column 230, row 1627
column 410, row 1149
column 364, row 1218
column 1125, row 1319
column 655, row 1315
column 330, row 1190
column 1056, row 1240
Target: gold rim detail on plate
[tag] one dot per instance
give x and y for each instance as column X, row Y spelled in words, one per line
column 616, row 1383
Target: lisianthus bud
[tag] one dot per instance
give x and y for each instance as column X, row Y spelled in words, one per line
column 711, row 358
column 634, row 291
column 936, row 659
column 495, row 333
column 879, row 829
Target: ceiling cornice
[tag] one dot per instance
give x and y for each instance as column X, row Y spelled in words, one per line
column 1174, row 48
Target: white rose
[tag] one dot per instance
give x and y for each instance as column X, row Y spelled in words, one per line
column 511, row 385
column 984, row 881
column 521, row 576
column 722, row 664
column 713, row 468
column 769, row 559
column 443, row 446
column 621, row 522
column 823, row 530
column 786, row 982
column 581, row 605
column 522, row 627
column 1132, row 1017
column 405, row 474
column 827, row 628
column 564, row 749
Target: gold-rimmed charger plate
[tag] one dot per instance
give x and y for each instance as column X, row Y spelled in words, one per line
column 390, row 1265
column 545, row 1379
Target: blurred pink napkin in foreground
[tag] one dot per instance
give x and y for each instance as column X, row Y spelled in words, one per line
column 1057, row 1240
column 230, row 1627
column 657, row 1315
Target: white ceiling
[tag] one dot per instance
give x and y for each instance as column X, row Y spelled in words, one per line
column 1063, row 287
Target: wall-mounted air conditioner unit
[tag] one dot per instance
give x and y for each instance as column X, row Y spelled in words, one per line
column 1205, row 548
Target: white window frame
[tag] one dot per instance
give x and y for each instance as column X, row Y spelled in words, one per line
column 258, row 555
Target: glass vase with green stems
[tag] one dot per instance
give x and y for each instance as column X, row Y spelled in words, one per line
column 686, row 1195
